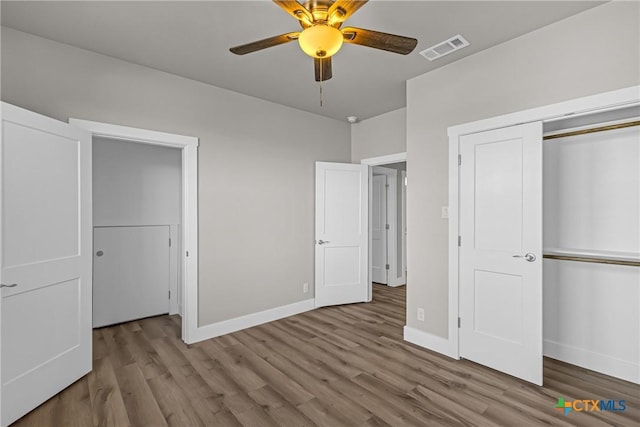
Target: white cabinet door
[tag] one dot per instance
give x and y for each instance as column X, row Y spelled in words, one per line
column 501, row 250
column 341, row 233
column 46, row 258
column 130, row 273
column 379, row 230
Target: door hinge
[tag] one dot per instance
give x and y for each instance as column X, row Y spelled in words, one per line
column 169, row 294
column 387, row 226
column 169, row 241
column 459, row 159
column 459, row 323
column 387, row 266
column 187, row 253
column 459, row 240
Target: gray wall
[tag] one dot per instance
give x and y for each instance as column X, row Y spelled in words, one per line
column 595, row 51
column 379, row 135
column 135, row 184
column 256, row 162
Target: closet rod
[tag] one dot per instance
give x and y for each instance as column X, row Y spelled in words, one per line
column 580, row 258
column 592, row 130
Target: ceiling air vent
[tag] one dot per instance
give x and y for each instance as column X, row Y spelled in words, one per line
column 445, row 48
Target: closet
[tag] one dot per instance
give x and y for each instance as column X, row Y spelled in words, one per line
column 136, row 219
column 545, row 237
column 591, row 241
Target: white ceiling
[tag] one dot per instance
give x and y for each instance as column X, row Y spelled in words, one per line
column 192, row 39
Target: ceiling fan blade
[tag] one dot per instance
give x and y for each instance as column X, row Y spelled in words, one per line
column 323, row 64
column 376, row 39
column 263, row 44
column 340, row 10
column 296, row 10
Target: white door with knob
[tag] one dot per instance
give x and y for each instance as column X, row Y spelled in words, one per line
column 46, row 259
column 342, row 236
column 501, row 250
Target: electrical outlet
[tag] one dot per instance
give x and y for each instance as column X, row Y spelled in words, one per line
column 421, row 314
column 305, row 287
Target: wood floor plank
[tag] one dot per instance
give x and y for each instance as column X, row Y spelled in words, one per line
column 174, row 402
column 278, row 408
column 106, row 398
column 118, row 346
column 293, row 392
column 142, row 406
column 237, row 368
column 335, row 366
column 323, row 414
column 318, row 385
column 74, row 406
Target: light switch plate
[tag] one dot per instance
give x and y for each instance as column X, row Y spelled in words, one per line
column 445, row 212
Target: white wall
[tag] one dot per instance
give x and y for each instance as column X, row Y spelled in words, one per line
column 135, row 184
column 552, row 64
column 256, row 162
column 379, row 135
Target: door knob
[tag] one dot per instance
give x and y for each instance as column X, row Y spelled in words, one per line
column 99, row 253
column 13, row 285
column 528, row 257
column 322, row 242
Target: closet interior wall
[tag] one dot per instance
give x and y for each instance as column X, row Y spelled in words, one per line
column 591, row 199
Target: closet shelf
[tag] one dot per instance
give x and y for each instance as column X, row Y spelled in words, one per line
column 601, row 257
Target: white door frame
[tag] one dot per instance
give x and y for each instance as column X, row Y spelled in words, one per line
column 613, row 100
column 189, row 227
column 393, row 278
column 403, row 221
column 379, row 161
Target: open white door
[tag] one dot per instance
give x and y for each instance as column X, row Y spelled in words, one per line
column 379, row 227
column 341, row 233
column 501, row 250
column 46, row 258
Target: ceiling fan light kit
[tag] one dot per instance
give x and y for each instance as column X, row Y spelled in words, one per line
column 322, row 36
column 320, row 40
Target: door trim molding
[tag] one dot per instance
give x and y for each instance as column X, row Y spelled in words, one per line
column 189, row 228
column 385, row 160
column 606, row 101
column 403, row 221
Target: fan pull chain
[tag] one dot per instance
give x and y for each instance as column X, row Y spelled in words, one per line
column 321, row 67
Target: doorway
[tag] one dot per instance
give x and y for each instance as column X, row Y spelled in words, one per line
column 186, row 235
column 388, row 224
column 387, row 219
column 136, row 223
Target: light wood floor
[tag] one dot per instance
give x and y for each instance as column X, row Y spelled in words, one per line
column 338, row 366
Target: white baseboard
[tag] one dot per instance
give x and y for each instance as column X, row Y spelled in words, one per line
column 232, row 325
column 429, row 341
column 598, row 362
column 396, row 282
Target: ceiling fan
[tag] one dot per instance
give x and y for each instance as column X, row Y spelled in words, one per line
column 322, row 33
